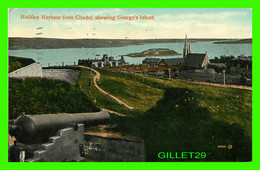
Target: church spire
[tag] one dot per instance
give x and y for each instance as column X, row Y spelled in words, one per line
column 186, row 48
column 186, row 42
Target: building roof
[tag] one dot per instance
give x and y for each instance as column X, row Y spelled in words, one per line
column 151, row 59
column 172, row 61
column 195, row 59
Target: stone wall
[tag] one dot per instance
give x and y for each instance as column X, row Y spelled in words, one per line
column 104, row 149
column 35, row 70
column 68, row 75
column 32, row 70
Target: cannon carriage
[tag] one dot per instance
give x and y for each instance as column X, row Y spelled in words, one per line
column 52, row 137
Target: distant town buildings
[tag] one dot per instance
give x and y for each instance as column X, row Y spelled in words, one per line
column 189, row 59
column 197, row 60
column 105, row 61
column 220, row 65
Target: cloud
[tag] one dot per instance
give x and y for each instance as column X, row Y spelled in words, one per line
column 204, row 16
column 110, row 11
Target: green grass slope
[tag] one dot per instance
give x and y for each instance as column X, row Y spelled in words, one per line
column 44, row 96
column 18, row 62
column 178, row 116
column 227, row 104
column 177, row 124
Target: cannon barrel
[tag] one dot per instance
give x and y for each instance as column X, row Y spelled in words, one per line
column 38, row 128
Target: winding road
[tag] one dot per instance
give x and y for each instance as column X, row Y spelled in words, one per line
column 96, row 79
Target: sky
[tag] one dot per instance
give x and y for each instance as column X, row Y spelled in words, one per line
column 167, row 23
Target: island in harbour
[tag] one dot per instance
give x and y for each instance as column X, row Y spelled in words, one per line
column 154, row 52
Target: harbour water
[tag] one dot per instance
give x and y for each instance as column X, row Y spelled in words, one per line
column 70, row 55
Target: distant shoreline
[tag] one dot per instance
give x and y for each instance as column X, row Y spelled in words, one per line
column 53, row 43
column 242, row 41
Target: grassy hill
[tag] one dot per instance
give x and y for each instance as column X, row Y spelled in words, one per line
column 170, row 116
column 174, row 115
column 85, row 83
column 44, row 96
column 230, row 105
column 18, row 62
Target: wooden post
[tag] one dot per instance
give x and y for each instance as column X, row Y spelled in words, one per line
column 224, row 76
column 169, row 69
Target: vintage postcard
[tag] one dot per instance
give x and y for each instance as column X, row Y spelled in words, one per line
column 130, row 85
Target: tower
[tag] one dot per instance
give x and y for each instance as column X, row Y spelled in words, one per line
column 186, row 49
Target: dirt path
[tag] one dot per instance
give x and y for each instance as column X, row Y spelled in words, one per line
column 96, row 79
column 116, row 113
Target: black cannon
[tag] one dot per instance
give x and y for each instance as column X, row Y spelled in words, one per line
column 52, row 137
